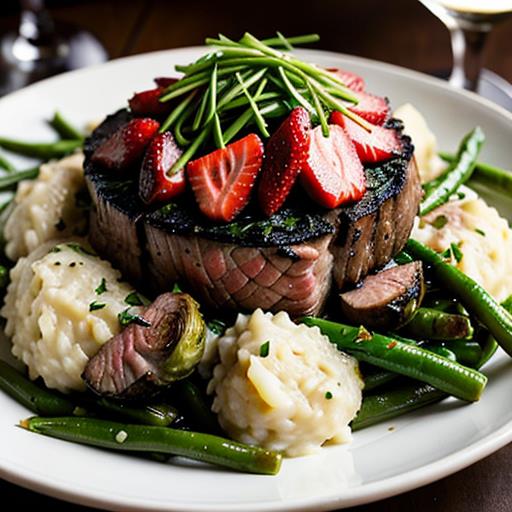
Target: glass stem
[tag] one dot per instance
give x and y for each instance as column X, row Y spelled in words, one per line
column 468, row 50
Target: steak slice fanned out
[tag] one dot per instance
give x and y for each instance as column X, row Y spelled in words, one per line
column 385, row 300
column 285, row 262
column 162, row 348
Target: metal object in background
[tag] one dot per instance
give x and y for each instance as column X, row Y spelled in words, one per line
column 42, row 48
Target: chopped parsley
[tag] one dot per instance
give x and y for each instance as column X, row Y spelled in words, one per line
column 94, row 305
column 457, row 253
column 267, row 229
column 461, row 195
column 328, row 395
column 265, row 349
column 217, row 327
column 126, row 318
column 480, row 232
column 176, row 288
column 133, row 299
column 55, row 249
column 447, row 254
column 290, row 222
column 440, row 221
column 102, row 287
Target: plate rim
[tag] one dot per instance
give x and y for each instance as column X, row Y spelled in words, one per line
column 377, row 490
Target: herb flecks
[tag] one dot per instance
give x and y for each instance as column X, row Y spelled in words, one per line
column 80, row 250
column 265, row 349
column 217, row 327
column 440, row 221
column 133, row 299
column 457, row 253
column 102, row 287
column 480, row 231
column 94, row 305
column 125, row 318
column 328, row 395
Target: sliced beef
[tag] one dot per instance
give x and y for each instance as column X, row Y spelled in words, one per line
column 385, row 300
column 285, row 262
column 163, row 345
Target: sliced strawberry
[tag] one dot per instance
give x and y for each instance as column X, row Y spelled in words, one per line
column 154, row 183
column 164, row 81
column 333, row 173
column 126, row 146
column 147, row 103
column 372, row 108
column 351, row 80
column 222, row 180
column 375, row 146
column 285, row 154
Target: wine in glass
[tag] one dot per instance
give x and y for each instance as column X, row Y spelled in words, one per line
column 469, row 22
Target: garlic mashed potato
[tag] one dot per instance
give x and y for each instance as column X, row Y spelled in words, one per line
column 283, row 386
column 61, row 306
column 47, row 207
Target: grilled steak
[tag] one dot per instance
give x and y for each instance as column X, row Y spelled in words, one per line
column 163, row 347
column 385, row 300
column 285, row 262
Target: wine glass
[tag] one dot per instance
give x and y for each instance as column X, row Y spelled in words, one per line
column 42, row 48
column 469, row 22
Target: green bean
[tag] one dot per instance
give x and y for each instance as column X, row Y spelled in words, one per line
column 496, row 178
column 6, row 165
column 378, row 378
column 439, row 303
column 402, row 258
column 432, row 324
column 11, row 180
column 158, row 415
column 409, row 397
column 42, row 150
column 467, row 352
column 177, row 112
column 472, row 296
column 405, row 358
column 38, row 400
column 64, row 128
column 439, row 190
column 139, row 438
column 192, row 400
column 403, row 398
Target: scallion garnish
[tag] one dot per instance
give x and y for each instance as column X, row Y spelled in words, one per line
column 94, row 305
column 265, row 349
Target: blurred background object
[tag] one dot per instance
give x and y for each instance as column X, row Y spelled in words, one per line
column 41, row 47
column 401, row 32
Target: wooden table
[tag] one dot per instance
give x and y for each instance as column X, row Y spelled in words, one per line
column 399, row 31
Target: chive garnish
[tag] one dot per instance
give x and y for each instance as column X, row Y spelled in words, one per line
column 133, row 299
column 265, row 349
column 480, row 232
column 328, row 395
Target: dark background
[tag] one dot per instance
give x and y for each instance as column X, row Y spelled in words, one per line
column 401, row 32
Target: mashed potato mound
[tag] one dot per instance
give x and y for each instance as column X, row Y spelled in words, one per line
column 425, row 144
column 483, row 237
column 48, row 311
column 301, row 394
column 46, row 208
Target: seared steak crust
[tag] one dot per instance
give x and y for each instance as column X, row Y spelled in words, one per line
column 283, row 263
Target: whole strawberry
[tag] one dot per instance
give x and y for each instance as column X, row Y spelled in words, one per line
column 126, row 146
column 155, row 184
column 285, row 155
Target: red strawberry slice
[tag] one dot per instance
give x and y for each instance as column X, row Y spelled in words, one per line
column 351, row 80
column 333, row 173
column 222, row 180
column 147, row 103
column 285, row 155
column 372, row 108
column 164, row 81
column 155, row 185
column 126, row 146
column 375, row 146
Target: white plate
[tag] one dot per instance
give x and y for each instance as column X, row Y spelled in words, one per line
column 422, row 447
